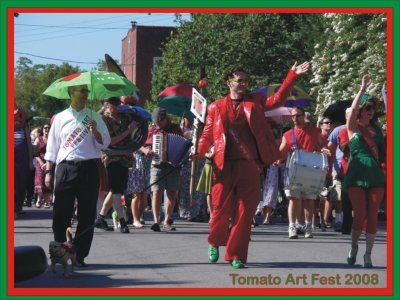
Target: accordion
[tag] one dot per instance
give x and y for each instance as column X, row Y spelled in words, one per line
column 169, row 148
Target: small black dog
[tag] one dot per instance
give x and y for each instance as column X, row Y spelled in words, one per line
column 60, row 253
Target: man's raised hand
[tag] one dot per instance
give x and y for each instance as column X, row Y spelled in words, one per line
column 301, row 69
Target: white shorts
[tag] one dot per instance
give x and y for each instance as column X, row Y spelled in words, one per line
column 301, row 195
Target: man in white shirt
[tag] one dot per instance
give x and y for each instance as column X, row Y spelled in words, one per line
column 76, row 136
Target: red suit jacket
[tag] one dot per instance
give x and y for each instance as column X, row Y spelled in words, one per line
column 217, row 124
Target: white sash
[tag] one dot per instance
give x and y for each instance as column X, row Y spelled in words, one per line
column 76, row 137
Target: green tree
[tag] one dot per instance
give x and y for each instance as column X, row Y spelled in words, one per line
column 352, row 45
column 266, row 45
column 30, row 81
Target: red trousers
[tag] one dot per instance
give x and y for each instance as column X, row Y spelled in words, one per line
column 365, row 204
column 235, row 194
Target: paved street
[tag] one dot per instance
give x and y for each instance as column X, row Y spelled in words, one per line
column 178, row 259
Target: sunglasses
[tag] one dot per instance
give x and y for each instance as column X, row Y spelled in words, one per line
column 327, row 122
column 240, row 80
column 46, row 127
column 297, row 116
column 369, row 108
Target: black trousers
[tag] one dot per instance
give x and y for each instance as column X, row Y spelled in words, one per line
column 21, row 172
column 78, row 180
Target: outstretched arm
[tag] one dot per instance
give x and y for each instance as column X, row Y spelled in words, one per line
column 279, row 98
column 351, row 123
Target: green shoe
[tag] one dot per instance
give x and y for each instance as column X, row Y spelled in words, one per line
column 367, row 261
column 237, row 264
column 351, row 258
column 213, row 254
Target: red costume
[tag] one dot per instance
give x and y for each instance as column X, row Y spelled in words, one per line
column 243, row 143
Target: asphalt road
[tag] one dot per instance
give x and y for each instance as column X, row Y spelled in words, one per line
column 146, row 259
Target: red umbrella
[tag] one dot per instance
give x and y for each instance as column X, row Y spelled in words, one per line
column 181, row 90
column 177, row 99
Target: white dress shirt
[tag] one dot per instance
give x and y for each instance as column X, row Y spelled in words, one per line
column 70, row 139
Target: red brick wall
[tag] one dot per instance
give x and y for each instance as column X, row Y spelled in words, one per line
column 139, row 47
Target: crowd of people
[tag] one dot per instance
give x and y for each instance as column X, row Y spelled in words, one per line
column 68, row 165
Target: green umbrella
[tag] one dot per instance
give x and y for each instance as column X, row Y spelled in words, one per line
column 101, row 84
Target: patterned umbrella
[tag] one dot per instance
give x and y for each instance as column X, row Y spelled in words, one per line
column 177, row 100
column 101, row 84
column 298, row 97
column 280, row 115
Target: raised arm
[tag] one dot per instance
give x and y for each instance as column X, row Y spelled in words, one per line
column 351, row 123
column 279, row 98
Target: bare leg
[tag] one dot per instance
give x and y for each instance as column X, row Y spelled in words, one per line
column 293, row 209
column 143, row 204
column 156, row 205
column 107, row 204
column 209, row 205
column 267, row 214
column 170, row 204
column 308, row 210
column 39, row 199
column 136, row 209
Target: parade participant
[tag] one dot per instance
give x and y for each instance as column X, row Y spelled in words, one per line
column 305, row 137
column 243, row 143
column 163, row 176
column 323, row 202
column 365, row 178
column 120, row 126
column 343, row 217
column 23, row 155
column 43, row 193
column 190, row 205
column 76, row 136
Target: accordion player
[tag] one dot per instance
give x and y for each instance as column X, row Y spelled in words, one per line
column 169, row 148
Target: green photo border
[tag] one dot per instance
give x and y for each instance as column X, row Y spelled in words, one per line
column 6, row 119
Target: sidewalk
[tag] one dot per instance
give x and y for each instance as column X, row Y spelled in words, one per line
column 148, row 259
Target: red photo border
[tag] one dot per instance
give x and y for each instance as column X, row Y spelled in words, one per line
column 196, row 291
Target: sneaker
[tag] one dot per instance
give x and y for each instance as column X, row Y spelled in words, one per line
column 237, row 264
column 323, row 227
column 308, row 234
column 155, row 227
column 292, row 232
column 123, row 226
column 213, row 254
column 102, row 224
column 167, row 228
column 124, row 229
column 338, row 226
column 300, row 229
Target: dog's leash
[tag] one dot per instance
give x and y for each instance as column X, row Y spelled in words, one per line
column 181, row 164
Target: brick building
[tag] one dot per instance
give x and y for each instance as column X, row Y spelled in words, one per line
column 140, row 53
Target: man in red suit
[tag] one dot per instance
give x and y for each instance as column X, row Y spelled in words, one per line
column 243, row 143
